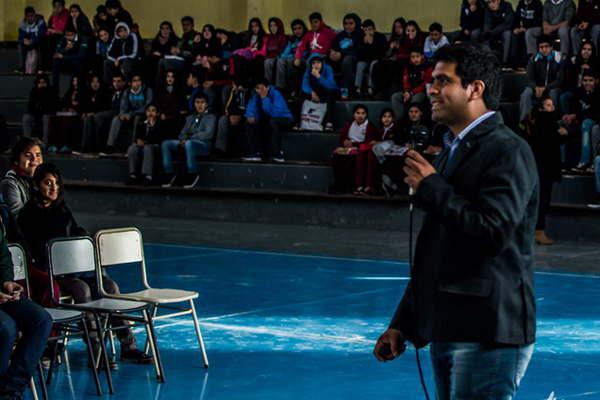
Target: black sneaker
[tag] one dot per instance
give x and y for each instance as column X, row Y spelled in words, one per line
column 170, row 181
column 136, row 356
column 193, row 182
column 132, row 179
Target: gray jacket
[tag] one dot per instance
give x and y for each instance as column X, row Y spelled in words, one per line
column 14, row 192
column 199, row 127
column 557, row 13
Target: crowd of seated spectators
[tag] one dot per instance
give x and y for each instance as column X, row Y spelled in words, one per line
column 217, row 93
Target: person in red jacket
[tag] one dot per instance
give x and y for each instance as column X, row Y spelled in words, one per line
column 318, row 40
column 417, row 77
column 276, row 43
column 355, row 137
column 56, row 28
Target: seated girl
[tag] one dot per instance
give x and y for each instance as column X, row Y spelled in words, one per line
column 355, row 137
column 46, row 217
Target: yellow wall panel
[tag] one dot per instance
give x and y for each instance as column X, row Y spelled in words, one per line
column 234, row 14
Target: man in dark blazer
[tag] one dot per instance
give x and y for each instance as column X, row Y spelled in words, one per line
column 471, row 292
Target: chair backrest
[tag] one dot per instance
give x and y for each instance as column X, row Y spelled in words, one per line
column 71, row 255
column 19, row 261
column 121, row 246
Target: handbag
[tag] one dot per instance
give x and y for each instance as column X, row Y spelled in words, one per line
column 312, row 116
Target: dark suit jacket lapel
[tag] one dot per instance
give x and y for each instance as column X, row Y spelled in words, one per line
column 468, row 143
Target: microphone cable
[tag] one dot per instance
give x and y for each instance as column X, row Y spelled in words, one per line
column 412, row 276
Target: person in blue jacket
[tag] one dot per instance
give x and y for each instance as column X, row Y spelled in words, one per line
column 288, row 75
column 267, row 116
column 318, row 85
column 344, row 52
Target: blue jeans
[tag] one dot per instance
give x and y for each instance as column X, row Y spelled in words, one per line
column 469, row 371
column 597, row 172
column 586, row 141
column 193, row 148
column 35, row 324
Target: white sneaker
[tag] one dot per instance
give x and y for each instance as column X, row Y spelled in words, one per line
column 252, row 158
column 194, row 183
column 170, row 183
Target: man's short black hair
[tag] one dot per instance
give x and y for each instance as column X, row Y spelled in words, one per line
column 368, row 23
column 114, row 4
column 588, row 74
column 187, row 18
column 475, row 62
column 61, row 2
column 261, row 81
column 29, row 10
column 544, row 39
column 436, row 27
column 315, row 15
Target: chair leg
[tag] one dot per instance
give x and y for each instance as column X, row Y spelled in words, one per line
column 33, row 389
column 111, row 339
column 88, row 342
column 54, row 355
column 104, row 353
column 154, row 346
column 42, row 381
column 199, row 334
column 147, row 344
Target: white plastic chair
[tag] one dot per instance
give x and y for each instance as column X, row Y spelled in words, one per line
column 125, row 246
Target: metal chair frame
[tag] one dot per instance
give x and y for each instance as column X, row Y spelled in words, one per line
column 70, row 321
column 77, row 255
column 112, row 250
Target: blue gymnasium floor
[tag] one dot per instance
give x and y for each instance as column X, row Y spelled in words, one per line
column 280, row 326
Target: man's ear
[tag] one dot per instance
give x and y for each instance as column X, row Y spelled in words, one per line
column 477, row 89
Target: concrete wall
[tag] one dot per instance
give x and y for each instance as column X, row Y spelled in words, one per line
column 234, row 14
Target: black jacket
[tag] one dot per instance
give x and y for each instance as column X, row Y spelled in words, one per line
column 373, row 51
column 473, row 266
column 470, row 20
column 496, row 22
column 529, row 15
column 545, row 72
column 154, row 134
column 6, row 265
column 42, row 101
column 40, row 225
column 545, row 143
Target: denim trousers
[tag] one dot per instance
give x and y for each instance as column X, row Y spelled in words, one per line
column 475, row 371
column 193, row 148
column 35, row 324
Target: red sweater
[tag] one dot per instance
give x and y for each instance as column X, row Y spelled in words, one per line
column 316, row 42
column 416, row 77
column 59, row 21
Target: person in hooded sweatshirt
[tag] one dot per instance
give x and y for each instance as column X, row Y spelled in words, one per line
column 41, row 106
column 31, row 32
column 276, row 43
column 122, row 53
column 318, row 40
column 161, row 46
column 344, row 52
column 288, row 76
column 472, row 13
column 116, row 14
column 545, row 139
column 318, row 85
column 132, row 110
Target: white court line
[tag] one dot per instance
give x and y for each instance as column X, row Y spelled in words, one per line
column 261, row 330
column 275, row 253
column 391, row 262
column 380, row 278
column 259, row 310
column 179, row 258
